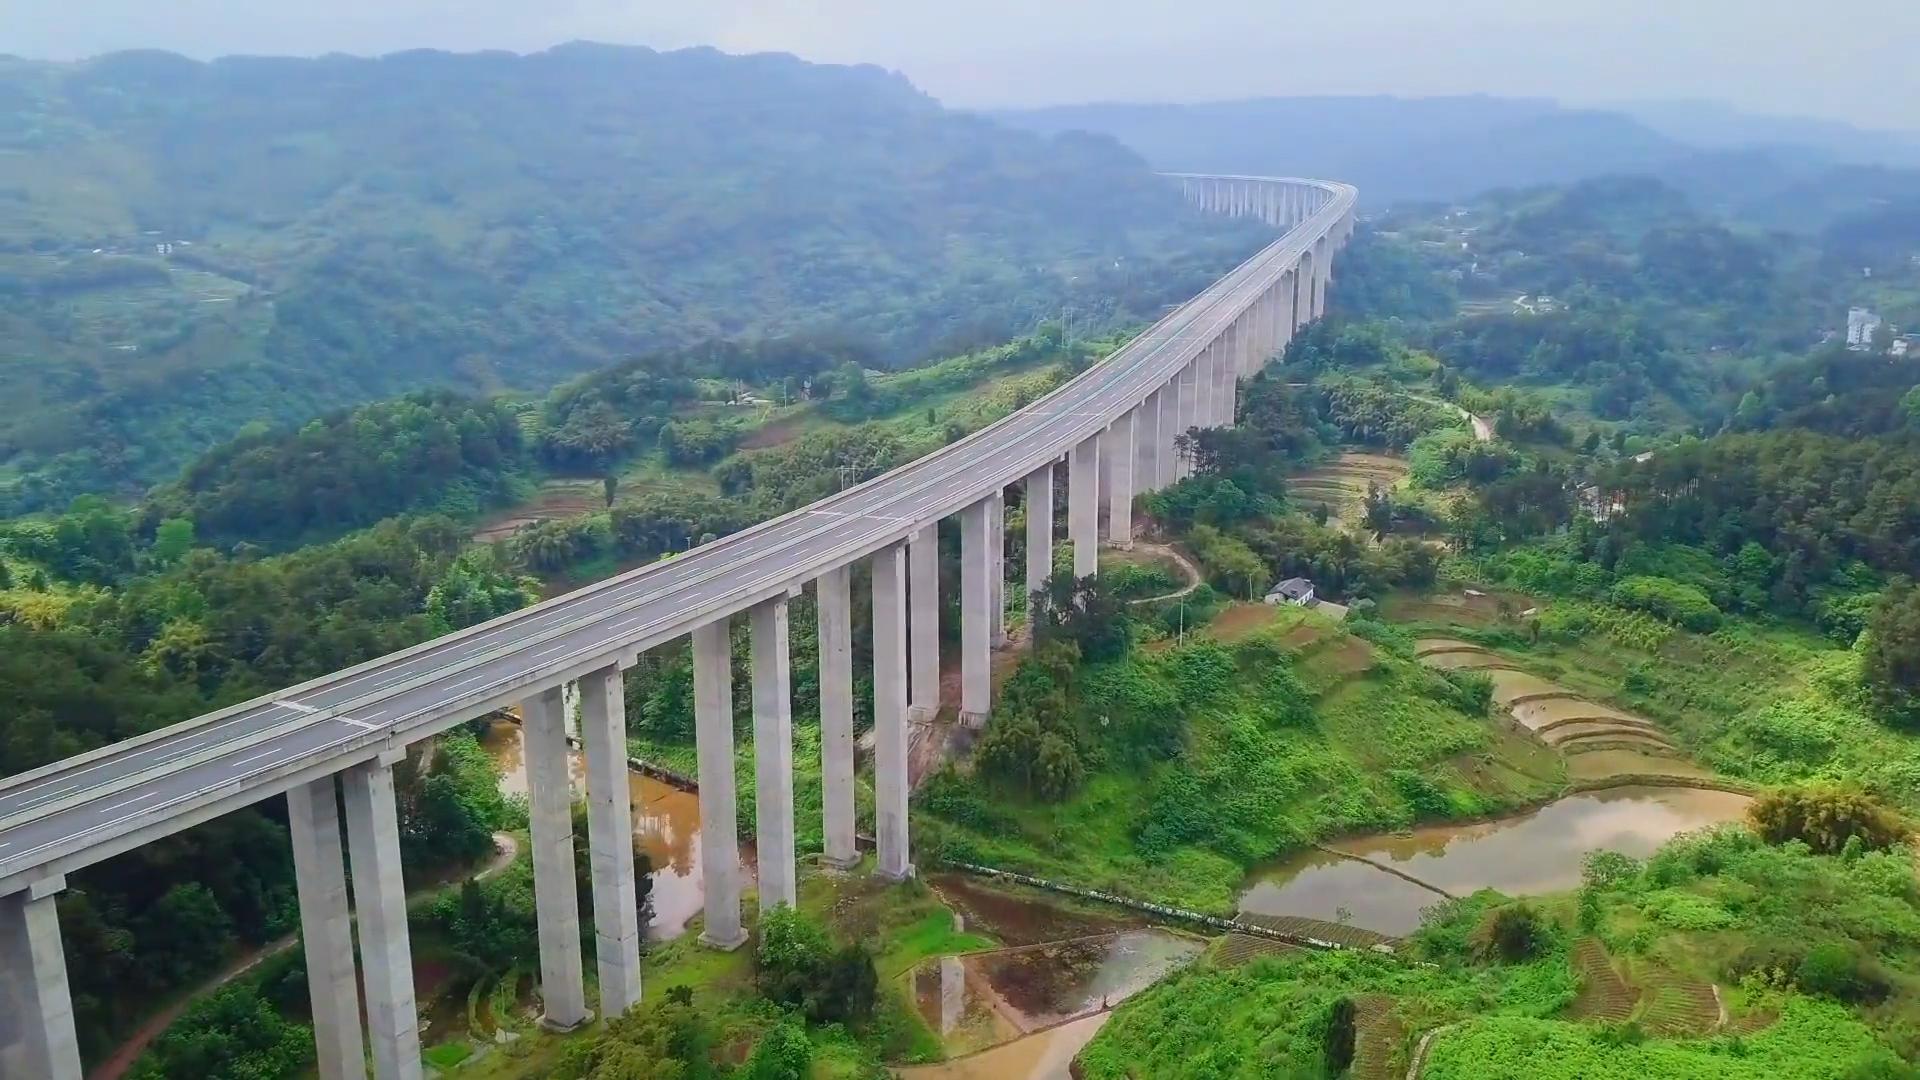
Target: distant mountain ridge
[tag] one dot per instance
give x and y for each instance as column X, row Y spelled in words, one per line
column 188, row 247
column 1452, row 148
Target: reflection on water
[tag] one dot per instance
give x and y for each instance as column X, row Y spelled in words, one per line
column 1045, row 1056
column 1035, row 1006
column 1537, row 852
column 666, row 825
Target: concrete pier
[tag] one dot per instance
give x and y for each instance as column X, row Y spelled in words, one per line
column 836, row 715
column 890, row 787
column 1117, row 454
column 1167, row 457
column 380, row 905
column 976, row 630
column 616, row 913
column 556, row 899
column 1146, row 439
column 1083, row 505
column 326, row 929
column 997, row 576
column 773, row 755
column 37, row 1034
column 719, row 840
column 923, row 616
column 1189, row 412
column 1039, row 484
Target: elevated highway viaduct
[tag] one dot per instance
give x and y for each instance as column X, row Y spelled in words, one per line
column 328, row 746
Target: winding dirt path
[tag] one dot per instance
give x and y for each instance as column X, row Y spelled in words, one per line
column 116, row 1064
column 1482, row 431
column 1186, row 565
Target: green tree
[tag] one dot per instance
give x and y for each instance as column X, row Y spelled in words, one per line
column 172, row 538
column 783, row 1053
column 1891, row 664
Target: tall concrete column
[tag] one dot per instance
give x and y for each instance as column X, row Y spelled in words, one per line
column 1039, row 484
column 923, row 635
column 1117, row 452
column 1146, row 440
column 976, row 623
column 37, row 1034
column 997, row 576
column 773, row 755
column 616, row 909
column 890, row 712
column 326, row 929
column 1189, row 403
column 836, row 714
column 1083, row 505
column 556, row 899
column 713, row 742
column 380, row 905
column 1205, row 376
column 1166, row 459
column 1229, row 394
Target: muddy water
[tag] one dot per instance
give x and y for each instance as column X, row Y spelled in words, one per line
column 1536, row 852
column 1034, row 1006
column 666, row 825
column 1046, row 1056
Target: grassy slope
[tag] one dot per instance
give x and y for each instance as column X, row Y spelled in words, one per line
column 1277, row 787
column 902, row 924
column 1689, row 915
column 1761, row 700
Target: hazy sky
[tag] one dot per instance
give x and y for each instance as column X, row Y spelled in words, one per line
column 1854, row 60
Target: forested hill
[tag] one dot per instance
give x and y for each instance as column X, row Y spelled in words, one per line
column 185, row 246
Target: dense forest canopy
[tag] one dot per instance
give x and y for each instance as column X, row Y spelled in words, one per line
column 186, row 247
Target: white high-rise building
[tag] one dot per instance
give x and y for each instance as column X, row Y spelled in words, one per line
column 1861, row 325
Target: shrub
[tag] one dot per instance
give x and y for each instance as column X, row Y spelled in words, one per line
column 783, row 1053
column 1512, row 934
column 1825, row 817
column 1340, row 1035
column 1682, row 605
column 1841, row 971
column 795, row 966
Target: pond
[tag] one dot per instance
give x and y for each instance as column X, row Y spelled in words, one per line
column 666, row 825
column 1024, row 1011
column 1540, row 851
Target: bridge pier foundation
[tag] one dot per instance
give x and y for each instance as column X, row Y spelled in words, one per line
column 556, row 899
column 1039, row 491
column 890, row 785
column 616, row 915
column 326, row 929
column 976, row 631
column 1117, row 454
column 831, row 599
column 1083, row 506
column 773, row 755
column 380, row 903
column 37, row 1034
column 719, row 839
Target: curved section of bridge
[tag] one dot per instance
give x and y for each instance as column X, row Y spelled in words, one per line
column 1114, row 425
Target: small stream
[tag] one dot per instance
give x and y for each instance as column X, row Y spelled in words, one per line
column 666, row 825
column 1540, row 851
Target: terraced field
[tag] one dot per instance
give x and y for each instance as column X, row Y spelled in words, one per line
column 1341, row 484
column 1557, row 716
column 1237, row 949
column 1604, row 996
column 1679, row 1007
column 1378, row 1034
column 1353, row 937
